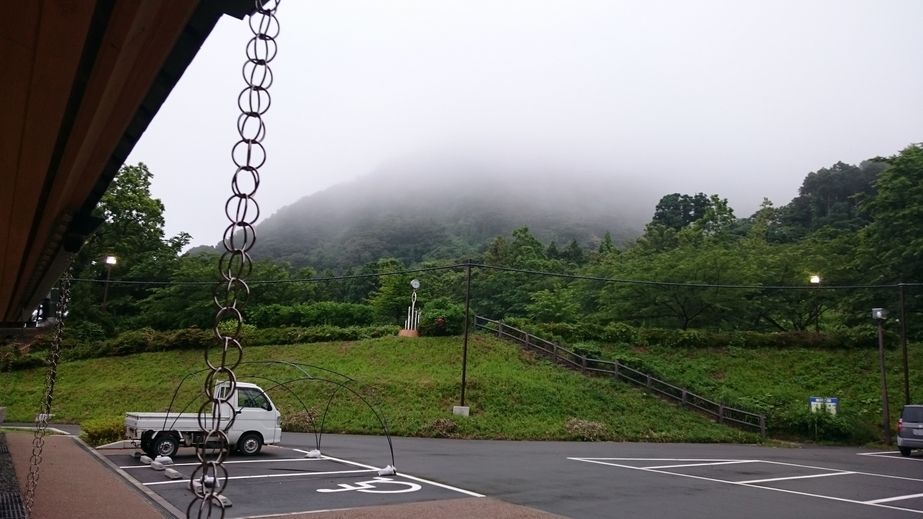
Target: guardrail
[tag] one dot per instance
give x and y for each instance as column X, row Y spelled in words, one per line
column 588, row 365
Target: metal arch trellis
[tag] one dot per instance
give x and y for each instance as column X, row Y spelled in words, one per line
column 304, row 373
column 41, row 421
column 235, row 265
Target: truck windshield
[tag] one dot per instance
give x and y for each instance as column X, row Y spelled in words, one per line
column 250, row 397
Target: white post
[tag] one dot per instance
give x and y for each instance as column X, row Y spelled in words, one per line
column 413, row 313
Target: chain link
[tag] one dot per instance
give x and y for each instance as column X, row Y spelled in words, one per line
column 210, row 478
column 41, row 421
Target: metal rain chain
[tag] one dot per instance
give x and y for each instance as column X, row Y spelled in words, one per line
column 210, row 478
column 41, row 421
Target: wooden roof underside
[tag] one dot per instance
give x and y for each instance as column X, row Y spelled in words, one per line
column 82, row 81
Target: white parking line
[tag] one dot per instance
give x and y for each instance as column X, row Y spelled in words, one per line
column 876, row 503
column 266, row 476
column 196, row 464
column 703, row 464
column 892, row 455
column 898, row 498
column 755, row 481
column 428, row 482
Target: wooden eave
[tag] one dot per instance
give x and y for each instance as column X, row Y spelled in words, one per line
column 82, row 81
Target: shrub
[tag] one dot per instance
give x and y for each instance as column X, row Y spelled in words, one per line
column 324, row 313
column 299, row 421
column 864, row 336
column 86, row 331
column 100, row 431
column 586, row 430
column 134, row 341
column 441, row 428
column 441, row 316
column 821, row 426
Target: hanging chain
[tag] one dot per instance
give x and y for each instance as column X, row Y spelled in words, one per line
column 210, row 478
column 41, row 421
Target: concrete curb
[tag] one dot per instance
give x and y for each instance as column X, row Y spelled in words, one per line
column 47, row 429
column 121, row 444
column 160, row 504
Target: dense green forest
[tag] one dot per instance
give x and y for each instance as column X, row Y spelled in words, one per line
column 415, row 213
column 695, row 266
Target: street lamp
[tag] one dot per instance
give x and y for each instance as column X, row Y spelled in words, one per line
column 110, row 262
column 879, row 315
column 815, row 280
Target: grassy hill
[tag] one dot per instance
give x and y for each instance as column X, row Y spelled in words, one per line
column 511, row 395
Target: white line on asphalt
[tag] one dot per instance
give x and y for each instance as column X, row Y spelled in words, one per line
column 226, row 463
column 876, row 453
column 891, row 455
column 809, row 476
column 703, row 464
column 658, row 459
column 898, row 498
column 838, row 470
column 266, row 476
column 428, row 482
column 831, row 498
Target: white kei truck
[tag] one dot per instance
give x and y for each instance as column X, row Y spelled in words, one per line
column 257, row 423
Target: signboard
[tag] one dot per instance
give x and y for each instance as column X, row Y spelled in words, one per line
column 823, row 402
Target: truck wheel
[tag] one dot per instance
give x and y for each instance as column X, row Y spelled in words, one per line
column 146, row 443
column 249, row 444
column 905, row 451
column 165, row 445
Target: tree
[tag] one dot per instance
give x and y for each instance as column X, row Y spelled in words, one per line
column 132, row 232
column 677, row 211
column 892, row 245
column 894, row 237
column 829, row 197
column 677, row 302
column 392, row 297
column 574, row 254
column 556, row 305
column 607, row 246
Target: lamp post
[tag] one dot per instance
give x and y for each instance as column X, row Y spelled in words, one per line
column 110, row 262
column 879, row 315
column 815, row 280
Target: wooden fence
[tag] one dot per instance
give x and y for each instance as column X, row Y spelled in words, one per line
column 588, row 365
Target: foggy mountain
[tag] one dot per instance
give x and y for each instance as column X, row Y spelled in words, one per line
column 427, row 210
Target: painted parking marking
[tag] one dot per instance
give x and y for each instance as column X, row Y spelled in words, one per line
column 897, row 498
column 226, row 462
column 879, row 503
column 337, row 483
column 371, row 486
column 414, row 478
column 709, row 464
column 789, row 478
column 266, row 476
column 894, row 455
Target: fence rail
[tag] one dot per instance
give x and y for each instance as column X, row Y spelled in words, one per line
column 588, row 365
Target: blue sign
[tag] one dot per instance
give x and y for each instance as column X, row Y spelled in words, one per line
column 828, row 404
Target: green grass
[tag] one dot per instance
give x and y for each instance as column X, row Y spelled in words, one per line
column 417, row 381
column 778, row 383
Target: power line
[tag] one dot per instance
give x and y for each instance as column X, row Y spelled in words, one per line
column 673, row 284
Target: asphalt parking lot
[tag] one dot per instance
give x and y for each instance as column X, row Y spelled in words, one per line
column 282, row 480
column 578, row 480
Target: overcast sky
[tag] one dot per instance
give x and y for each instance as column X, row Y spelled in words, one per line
column 741, row 99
